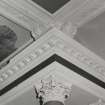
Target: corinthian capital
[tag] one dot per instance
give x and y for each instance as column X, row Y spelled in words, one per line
column 53, row 90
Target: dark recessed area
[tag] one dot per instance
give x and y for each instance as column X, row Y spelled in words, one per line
column 51, row 5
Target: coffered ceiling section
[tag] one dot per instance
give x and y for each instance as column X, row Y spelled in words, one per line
column 75, row 11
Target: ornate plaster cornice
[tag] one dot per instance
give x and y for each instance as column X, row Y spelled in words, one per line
column 54, row 42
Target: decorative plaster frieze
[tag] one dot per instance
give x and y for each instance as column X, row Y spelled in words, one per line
column 27, row 59
column 53, row 40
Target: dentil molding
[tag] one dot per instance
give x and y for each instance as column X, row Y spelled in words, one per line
column 50, row 44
